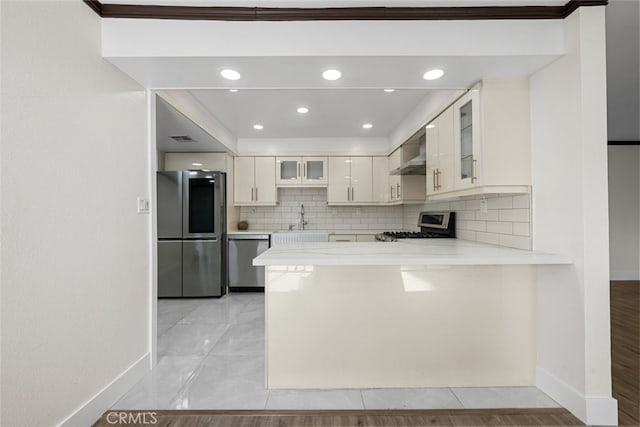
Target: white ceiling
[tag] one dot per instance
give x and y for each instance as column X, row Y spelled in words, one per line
column 272, row 88
column 332, row 112
column 170, row 122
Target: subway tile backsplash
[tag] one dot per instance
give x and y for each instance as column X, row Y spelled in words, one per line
column 506, row 222
column 319, row 215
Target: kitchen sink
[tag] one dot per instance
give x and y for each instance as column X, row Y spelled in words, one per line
column 279, row 237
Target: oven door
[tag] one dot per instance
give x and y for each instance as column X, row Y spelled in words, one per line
column 437, row 220
column 202, row 204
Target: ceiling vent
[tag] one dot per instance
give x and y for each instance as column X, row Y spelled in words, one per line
column 182, row 138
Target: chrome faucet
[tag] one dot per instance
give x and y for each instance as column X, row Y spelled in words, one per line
column 302, row 221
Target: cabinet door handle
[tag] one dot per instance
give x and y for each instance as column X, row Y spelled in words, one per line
column 251, row 193
column 348, row 194
column 256, row 194
column 434, row 180
column 352, row 195
column 474, row 165
column 398, row 192
column 304, row 169
column 391, row 191
column 438, row 179
column 298, row 169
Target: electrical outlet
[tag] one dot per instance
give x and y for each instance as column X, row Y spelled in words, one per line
column 483, row 206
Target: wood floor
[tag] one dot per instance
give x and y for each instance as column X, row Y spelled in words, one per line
column 625, row 354
column 359, row 418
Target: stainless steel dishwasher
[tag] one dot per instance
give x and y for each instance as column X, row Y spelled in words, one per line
column 243, row 248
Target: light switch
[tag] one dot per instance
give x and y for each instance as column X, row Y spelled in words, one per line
column 143, row 205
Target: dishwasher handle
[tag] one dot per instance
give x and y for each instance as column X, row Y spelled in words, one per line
column 248, row 237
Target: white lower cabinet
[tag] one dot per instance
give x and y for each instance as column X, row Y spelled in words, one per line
column 350, row 181
column 352, row 238
column 365, row 237
column 342, row 238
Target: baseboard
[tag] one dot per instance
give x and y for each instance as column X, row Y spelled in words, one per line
column 88, row 413
column 602, row 411
column 624, row 275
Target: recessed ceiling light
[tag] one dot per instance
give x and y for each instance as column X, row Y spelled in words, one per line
column 230, row 74
column 331, row 74
column 258, row 127
column 367, row 126
column 434, row 74
column 389, row 90
column 196, row 164
column 430, row 126
column 233, row 90
column 302, row 110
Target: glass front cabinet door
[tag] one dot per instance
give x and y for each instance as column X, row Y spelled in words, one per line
column 314, row 170
column 295, row 171
column 288, row 170
column 467, row 140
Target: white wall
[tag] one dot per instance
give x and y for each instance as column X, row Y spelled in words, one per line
column 569, row 176
column 75, row 262
column 313, row 146
column 1, row 236
column 624, row 212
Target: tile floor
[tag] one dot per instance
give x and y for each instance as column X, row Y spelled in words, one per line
column 211, row 356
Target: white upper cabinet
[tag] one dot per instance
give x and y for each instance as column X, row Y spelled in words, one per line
column 440, row 153
column 380, row 184
column 395, row 159
column 301, row 171
column 466, row 134
column 481, row 144
column 361, row 180
column 405, row 188
column 255, row 181
column 350, row 180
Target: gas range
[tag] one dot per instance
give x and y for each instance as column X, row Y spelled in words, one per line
column 433, row 225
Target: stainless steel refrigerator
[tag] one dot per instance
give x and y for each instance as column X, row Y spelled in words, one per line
column 191, row 232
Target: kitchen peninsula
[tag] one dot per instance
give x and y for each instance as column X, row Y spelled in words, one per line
column 436, row 313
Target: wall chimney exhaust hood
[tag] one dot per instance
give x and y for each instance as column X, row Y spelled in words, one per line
column 415, row 166
column 414, row 149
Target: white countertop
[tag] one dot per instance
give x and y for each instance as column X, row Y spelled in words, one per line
column 408, row 252
column 334, row 232
column 249, row 232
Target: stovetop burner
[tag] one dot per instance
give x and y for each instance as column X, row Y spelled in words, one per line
column 391, row 236
column 433, row 225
